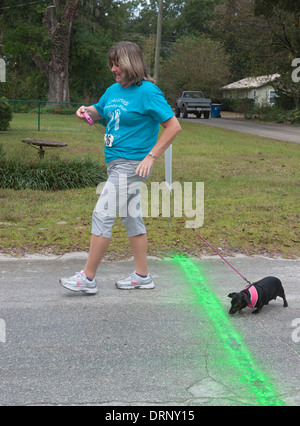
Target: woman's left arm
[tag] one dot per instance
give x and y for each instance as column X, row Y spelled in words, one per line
column 171, row 129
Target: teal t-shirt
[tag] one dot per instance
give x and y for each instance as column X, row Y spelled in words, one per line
column 133, row 115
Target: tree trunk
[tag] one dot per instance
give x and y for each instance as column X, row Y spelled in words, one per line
column 58, row 20
column 59, row 85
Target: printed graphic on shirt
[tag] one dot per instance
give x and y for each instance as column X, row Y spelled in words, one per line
column 117, row 119
column 109, row 140
column 114, row 119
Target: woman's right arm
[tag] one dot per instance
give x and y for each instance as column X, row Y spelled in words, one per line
column 91, row 110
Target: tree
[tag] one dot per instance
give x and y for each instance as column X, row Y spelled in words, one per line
column 267, row 6
column 58, row 19
column 246, row 38
column 283, row 20
column 180, row 17
column 197, row 16
column 22, row 34
column 27, row 41
column 197, row 63
column 89, row 72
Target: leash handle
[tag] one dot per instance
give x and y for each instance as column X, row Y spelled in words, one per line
column 219, row 254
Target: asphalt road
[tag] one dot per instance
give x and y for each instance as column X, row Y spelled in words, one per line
column 281, row 132
column 156, row 347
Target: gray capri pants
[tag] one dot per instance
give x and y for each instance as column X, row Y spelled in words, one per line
column 120, row 195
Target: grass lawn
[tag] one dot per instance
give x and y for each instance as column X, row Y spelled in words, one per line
column 252, row 194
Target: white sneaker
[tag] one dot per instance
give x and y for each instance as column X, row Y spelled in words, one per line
column 134, row 281
column 79, row 282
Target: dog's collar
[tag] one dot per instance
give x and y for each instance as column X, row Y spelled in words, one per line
column 253, row 296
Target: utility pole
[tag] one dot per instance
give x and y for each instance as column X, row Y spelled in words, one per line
column 2, row 71
column 158, row 40
column 168, row 152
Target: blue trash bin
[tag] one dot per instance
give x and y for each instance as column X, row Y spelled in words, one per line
column 216, row 110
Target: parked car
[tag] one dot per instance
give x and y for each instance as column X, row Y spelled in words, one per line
column 193, row 102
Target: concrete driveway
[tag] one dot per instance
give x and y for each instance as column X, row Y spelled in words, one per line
column 159, row 347
column 283, row 132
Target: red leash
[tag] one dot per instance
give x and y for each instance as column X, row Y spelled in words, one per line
column 219, row 254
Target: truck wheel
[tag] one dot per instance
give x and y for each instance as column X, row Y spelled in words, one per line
column 177, row 112
column 185, row 113
column 206, row 115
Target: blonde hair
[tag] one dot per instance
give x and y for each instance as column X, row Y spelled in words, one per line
column 129, row 58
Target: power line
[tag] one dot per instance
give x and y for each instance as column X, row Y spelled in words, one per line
column 21, row 5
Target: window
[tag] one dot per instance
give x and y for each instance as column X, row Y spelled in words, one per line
column 272, row 97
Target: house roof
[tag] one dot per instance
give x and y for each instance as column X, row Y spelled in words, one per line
column 251, row 82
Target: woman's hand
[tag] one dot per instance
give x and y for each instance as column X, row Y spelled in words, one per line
column 145, row 166
column 80, row 112
column 171, row 128
column 91, row 110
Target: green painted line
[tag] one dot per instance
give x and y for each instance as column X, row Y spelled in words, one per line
column 231, row 354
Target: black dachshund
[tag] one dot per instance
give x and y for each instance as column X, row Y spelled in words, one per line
column 257, row 295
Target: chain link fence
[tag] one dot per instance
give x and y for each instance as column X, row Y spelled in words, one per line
column 41, row 115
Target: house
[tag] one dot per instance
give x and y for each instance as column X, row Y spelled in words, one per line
column 258, row 88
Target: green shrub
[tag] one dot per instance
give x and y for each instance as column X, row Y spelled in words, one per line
column 5, row 114
column 274, row 114
column 237, row 105
column 59, row 109
column 296, row 115
column 51, row 175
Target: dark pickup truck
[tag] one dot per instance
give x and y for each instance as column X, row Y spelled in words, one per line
column 193, row 103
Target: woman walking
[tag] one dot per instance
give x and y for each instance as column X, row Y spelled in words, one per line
column 133, row 108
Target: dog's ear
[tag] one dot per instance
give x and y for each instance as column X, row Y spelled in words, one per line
column 231, row 295
column 247, row 299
